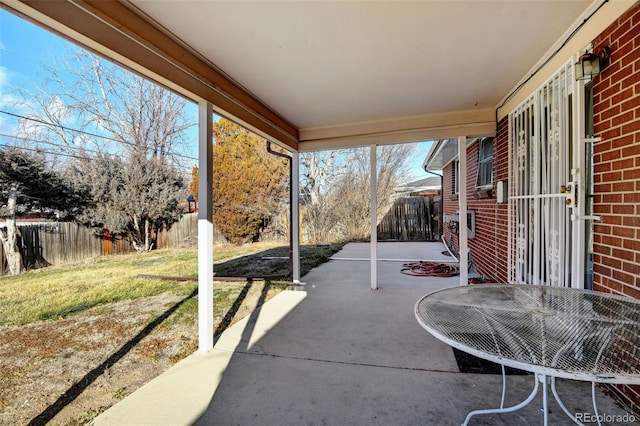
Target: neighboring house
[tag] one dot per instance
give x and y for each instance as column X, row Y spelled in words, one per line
column 427, row 187
column 557, row 201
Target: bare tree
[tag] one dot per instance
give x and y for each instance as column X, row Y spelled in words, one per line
column 320, row 171
column 336, row 189
column 122, row 135
column 9, row 233
column 352, row 195
column 90, row 105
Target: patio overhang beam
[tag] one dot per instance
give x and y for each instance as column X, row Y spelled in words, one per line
column 477, row 122
column 119, row 31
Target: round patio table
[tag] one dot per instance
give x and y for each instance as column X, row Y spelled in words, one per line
column 549, row 331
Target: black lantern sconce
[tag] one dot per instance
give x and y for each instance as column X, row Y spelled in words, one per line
column 590, row 64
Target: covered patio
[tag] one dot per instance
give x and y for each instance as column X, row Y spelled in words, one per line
column 315, row 76
column 333, row 352
column 330, row 75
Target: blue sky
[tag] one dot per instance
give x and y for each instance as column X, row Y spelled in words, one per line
column 24, row 47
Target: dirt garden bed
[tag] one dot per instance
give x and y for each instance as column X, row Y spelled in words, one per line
column 67, row 371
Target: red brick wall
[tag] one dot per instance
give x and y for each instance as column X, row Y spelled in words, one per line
column 617, row 168
column 616, row 176
column 489, row 247
column 617, row 159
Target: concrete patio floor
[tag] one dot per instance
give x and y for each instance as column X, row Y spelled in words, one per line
column 337, row 353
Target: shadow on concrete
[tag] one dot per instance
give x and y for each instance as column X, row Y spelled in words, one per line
column 337, row 353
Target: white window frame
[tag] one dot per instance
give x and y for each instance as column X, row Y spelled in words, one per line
column 485, row 163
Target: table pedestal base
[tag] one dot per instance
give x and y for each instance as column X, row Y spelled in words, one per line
column 538, row 378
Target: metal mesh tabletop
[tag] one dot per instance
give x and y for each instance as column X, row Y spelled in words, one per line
column 575, row 334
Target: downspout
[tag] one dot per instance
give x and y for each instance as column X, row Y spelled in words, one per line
column 279, row 154
column 441, row 213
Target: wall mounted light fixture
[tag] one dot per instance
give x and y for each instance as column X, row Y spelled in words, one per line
column 590, row 64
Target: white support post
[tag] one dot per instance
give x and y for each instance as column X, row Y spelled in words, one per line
column 295, row 214
column 205, row 227
column 374, row 217
column 463, row 241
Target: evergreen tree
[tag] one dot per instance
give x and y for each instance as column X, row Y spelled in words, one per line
column 249, row 184
column 133, row 197
column 28, row 184
column 193, row 186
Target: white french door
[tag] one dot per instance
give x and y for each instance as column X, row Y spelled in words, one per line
column 546, row 202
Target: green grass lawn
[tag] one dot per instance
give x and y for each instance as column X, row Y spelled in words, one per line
column 58, row 292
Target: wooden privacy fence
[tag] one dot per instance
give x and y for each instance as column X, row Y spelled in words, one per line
column 411, row 219
column 56, row 243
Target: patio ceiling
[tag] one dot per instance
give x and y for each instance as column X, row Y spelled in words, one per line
column 328, row 67
column 314, row 75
